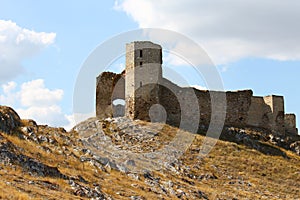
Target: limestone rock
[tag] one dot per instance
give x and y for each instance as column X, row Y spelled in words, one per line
column 296, row 147
column 9, row 119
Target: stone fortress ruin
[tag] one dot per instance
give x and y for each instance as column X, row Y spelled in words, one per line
column 149, row 96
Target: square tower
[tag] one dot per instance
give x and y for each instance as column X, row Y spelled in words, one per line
column 143, row 75
column 276, row 114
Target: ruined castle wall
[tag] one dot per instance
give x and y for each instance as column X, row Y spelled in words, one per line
column 267, row 112
column 179, row 104
column 182, row 105
column 238, row 104
column 237, row 107
column 145, row 97
column 204, row 104
column 276, row 116
column 110, row 86
column 168, row 99
column 242, row 110
column 290, row 123
column 145, row 88
column 258, row 113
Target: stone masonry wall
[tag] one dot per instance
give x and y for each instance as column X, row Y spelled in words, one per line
column 258, row 113
column 143, row 68
column 290, row 123
column 149, row 96
column 110, row 86
column 276, row 116
column 242, row 110
column 238, row 104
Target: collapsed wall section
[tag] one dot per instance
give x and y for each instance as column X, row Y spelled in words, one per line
column 110, row 86
column 267, row 112
column 276, row 116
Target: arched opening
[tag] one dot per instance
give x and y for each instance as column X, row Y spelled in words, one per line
column 118, row 107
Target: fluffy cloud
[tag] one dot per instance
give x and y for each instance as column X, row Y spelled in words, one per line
column 34, row 101
column 8, row 97
column 228, row 30
column 51, row 115
column 34, row 93
column 17, row 44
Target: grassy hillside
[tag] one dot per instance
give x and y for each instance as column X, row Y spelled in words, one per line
column 40, row 162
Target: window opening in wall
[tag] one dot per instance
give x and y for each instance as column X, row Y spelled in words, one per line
column 141, row 84
column 141, row 64
column 161, row 57
column 118, row 106
column 141, row 53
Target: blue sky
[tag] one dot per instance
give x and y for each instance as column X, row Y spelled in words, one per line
column 254, row 45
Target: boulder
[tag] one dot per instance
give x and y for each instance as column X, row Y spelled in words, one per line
column 9, row 119
column 295, row 147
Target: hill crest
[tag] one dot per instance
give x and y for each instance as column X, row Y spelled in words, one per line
column 38, row 161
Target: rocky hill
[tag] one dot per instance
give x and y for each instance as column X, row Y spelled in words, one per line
column 123, row 159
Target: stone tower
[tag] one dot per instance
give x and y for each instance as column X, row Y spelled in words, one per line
column 143, row 74
column 276, row 115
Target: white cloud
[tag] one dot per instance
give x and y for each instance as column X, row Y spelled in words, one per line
column 17, row 44
column 228, row 30
column 9, row 97
column 35, row 101
column 194, row 57
column 50, row 115
column 10, row 86
column 34, row 93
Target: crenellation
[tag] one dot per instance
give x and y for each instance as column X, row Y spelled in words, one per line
column 147, row 94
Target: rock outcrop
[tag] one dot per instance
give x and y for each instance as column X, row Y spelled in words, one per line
column 9, row 119
column 120, row 158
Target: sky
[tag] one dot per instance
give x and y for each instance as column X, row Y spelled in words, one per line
column 44, row 44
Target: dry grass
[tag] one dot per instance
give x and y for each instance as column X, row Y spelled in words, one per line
column 275, row 177
column 231, row 163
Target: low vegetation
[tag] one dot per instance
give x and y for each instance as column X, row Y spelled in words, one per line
column 40, row 162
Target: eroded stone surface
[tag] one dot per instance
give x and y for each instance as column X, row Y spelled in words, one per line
column 9, row 119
